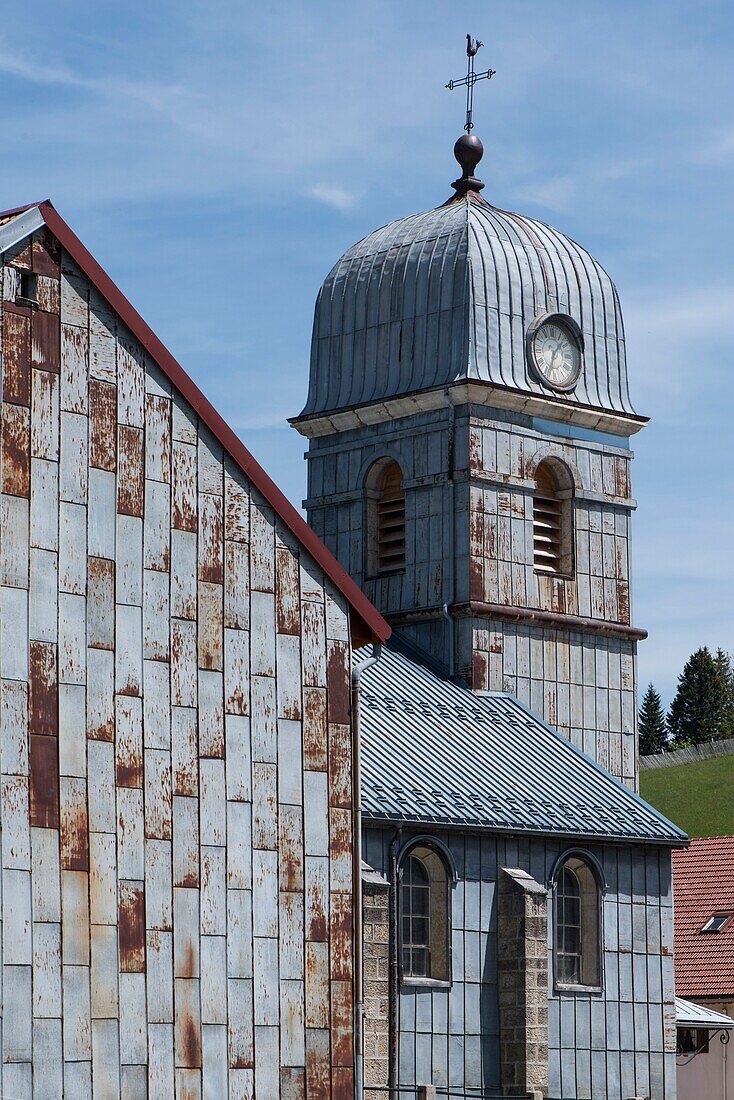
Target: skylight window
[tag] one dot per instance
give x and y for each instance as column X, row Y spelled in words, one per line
column 718, row 922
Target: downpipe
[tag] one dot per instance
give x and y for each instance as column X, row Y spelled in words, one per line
column 357, row 874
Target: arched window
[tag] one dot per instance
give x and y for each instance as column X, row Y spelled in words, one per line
column 387, row 519
column 577, row 939
column 424, row 915
column 552, row 521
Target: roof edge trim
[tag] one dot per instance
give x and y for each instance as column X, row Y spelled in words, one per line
column 360, row 606
column 28, row 220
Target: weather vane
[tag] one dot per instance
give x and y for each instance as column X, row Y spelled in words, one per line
column 472, row 45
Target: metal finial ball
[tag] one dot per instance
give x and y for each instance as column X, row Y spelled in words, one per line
column 468, row 151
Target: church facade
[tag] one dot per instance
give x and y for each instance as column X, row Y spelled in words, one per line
column 469, row 427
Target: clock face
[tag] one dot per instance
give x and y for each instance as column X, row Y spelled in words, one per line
column 556, row 355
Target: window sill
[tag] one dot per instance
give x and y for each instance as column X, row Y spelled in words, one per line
column 559, row 988
column 426, row 983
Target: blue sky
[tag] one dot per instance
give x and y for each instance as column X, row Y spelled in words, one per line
column 217, row 158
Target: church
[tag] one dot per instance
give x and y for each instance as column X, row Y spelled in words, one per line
column 346, row 808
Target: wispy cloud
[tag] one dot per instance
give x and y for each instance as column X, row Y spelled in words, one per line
column 339, row 198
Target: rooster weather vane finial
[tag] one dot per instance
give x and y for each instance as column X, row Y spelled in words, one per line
column 472, row 45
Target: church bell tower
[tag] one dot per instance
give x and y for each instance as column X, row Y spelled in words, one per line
column 469, row 427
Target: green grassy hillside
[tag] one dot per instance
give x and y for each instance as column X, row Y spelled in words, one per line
column 697, row 797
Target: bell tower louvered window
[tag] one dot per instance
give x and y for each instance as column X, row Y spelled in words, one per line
column 390, row 521
column 552, row 525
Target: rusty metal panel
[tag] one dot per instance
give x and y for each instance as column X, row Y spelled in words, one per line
column 75, row 918
column 72, row 548
column 48, row 293
column 236, row 504
column 74, row 369
column 45, row 415
column 185, row 420
column 265, row 806
column 72, row 730
column 287, row 592
column 241, row 1026
column 129, row 742
column 211, row 530
column 46, row 342
column 317, row 985
column 45, row 504
column 74, row 299
column 158, row 885
column 102, row 878
column 340, row 936
column 210, row 461
column 15, row 525
column 239, row 933
column 13, row 727
column 129, row 560
column 131, row 927
column 211, row 715
column 156, row 629
column 102, row 425
column 213, row 971
column 313, row 644
column 262, row 548
column 100, row 603
column 340, row 766
column 157, row 438
column 16, row 358
column 236, row 586
column 266, row 999
column 341, row 1023
column 264, row 722
column 159, row 956
column 239, row 845
column 131, row 471
column 130, row 383
column 74, row 824
column 184, row 751
column 183, row 575
column 212, row 802
column 238, row 755
column 130, row 834
column 265, row 893
column 262, row 634
column 315, row 740
column 101, row 787
column 72, row 639
column 47, row 970
column 185, row 841
column 16, row 836
column 340, row 849
column 292, row 1037
column 318, row 1068
column 186, row 932
column 210, row 634
column 337, row 679
column 43, row 690
column 183, row 663
column 100, row 694
column 158, row 794
column 288, row 658
column 46, row 875
column 187, row 1023
column 213, row 891
column 44, row 782
column 128, row 650
column 104, row 981
column 16, row 450
column 74, row 476
column 157, row 537
column 236, row 671
column 291, row 936
column 290, row 769
column 184, row 515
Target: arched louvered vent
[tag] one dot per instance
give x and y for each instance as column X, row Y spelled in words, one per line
column 547, row 523
column 390, row 521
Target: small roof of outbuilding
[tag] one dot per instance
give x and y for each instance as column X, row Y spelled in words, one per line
column 22, row 221
column 434, row 752
column 688, row 1014
column 703, row 886
column 448, row 296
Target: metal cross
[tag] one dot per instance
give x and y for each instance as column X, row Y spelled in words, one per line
column 472, row 45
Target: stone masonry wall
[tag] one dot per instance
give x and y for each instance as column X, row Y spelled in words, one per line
column 376, row 924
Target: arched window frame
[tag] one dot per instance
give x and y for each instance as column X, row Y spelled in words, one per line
column 590, row 875
column 553, row 469
column 439, row 866
column 375, row 488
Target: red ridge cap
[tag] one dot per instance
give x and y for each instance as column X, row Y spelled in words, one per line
column 369, row 616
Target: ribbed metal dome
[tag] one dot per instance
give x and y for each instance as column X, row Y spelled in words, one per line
column 447, row 296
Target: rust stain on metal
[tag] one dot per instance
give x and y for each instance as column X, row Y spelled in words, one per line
column 316, row 908
column 184, row 499
column 211, row 626
column 476, row 578
column 341, row 1023
column 287, row 591
column 211, row 539
column 131, row 474
column 317, row 1066
column 291, row 849
column 74, row 834
column 340, row 765
column 342, row 1084
column 340, row 936
column 337, row 683
column 46, row 253
column 475, row 449
column 16, row 359
column 314, row 728
column 292, row 1083
column 43, row 692
column 46, row 342
column 44, row 782
column 480, row 671
column 621, row 478
column 131, row 928
column 102, row 425
column 16, row 450
column 623, row 601
column 191, row 1042
column 100, row 603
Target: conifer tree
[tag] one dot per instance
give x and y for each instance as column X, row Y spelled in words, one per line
column 653, row 726
column 702, row 708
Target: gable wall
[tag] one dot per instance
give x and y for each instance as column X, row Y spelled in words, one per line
column 175, row 754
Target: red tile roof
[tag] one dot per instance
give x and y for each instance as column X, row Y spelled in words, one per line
column 703, row 884
column 367, row 623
